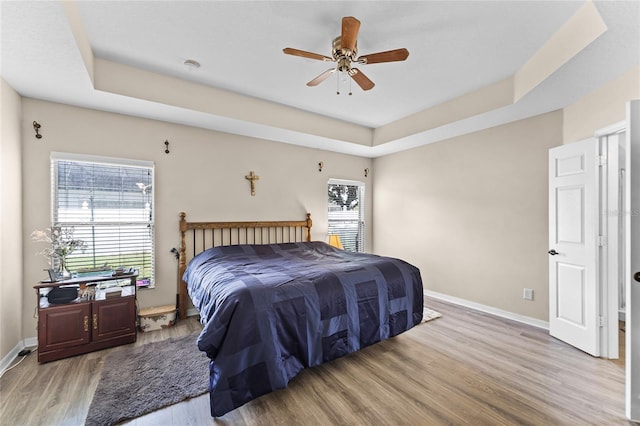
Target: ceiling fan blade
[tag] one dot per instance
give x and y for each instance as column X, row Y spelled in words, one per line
column 305, row 54
column 322, row 77
column 362, row 80
column 350, row 28
column 388, row 56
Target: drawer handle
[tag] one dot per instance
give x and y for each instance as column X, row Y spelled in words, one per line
column 86, row 323
column 95, row 321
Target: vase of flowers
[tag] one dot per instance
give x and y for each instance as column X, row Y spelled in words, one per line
column 62, row 270
column 61, row 245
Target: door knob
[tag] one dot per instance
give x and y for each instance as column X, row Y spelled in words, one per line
column 552, row 252
column 636, row 276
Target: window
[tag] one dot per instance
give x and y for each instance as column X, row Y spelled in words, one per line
column 108, row 203
column 346, row 213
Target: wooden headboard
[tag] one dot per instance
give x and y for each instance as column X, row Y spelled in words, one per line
column 196, row 237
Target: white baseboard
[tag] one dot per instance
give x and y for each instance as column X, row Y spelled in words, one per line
column 621, row 315
column 192, row 312
column 488, row 309
column 8, row 359
column 13, row 353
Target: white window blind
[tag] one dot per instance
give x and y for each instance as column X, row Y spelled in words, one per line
column 346, row 213
column 109, row 205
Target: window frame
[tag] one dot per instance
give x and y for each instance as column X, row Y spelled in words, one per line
column 361, row 210
column 105, row 161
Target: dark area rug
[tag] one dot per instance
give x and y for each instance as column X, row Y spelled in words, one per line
column 140, row 380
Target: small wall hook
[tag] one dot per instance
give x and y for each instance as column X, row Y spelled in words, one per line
column 320, row 166
column 36, row 127
column 166, row 144
column 366, row 172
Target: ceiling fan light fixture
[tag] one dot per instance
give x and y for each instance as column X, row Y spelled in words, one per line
column 191, row 64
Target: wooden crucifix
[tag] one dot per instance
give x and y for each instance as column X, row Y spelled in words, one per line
column 253, row 178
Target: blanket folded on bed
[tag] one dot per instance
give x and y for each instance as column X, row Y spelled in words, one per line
column 271, row 310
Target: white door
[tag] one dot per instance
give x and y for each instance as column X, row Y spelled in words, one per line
column 632, row 333
column 573, row 240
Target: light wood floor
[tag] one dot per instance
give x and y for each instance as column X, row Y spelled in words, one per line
column 464, row 368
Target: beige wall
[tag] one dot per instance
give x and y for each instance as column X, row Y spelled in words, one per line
column 203, row 175
column 471, row 213
column 601, row 108
column 10, row 220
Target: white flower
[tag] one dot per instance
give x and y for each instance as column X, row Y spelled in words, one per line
column 61, row 241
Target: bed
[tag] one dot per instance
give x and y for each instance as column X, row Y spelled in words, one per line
column 272, row 302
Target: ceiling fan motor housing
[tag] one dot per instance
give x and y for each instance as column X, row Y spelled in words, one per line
column 339, row 53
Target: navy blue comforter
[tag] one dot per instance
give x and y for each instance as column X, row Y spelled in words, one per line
column 271, row 310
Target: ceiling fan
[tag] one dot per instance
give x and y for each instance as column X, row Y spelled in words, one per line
column 344, row 54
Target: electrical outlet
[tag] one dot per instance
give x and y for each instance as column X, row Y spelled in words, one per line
column 527, row 294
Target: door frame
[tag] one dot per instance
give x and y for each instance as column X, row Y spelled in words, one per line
column 611, row 218
column 632, row 317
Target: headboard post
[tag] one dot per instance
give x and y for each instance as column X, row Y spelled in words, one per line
column 182, row 287
column 183, row 247
column 309, row 223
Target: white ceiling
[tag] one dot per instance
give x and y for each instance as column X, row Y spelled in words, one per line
column 455, row 47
